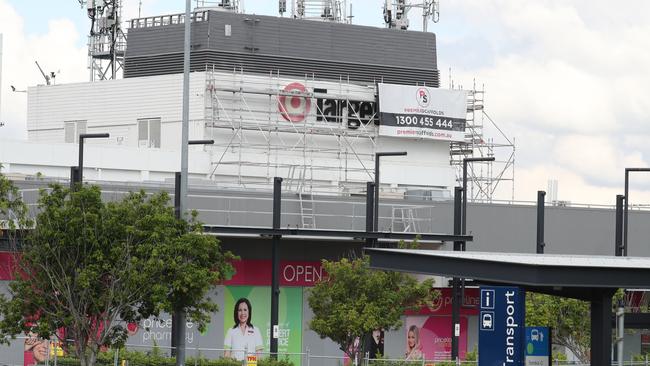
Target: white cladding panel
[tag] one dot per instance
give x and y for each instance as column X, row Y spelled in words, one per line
column 114, row 106
column 263, row 126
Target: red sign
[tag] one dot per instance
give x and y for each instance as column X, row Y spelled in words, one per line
column 7, row 265
column 250, row 272
column 442, row 306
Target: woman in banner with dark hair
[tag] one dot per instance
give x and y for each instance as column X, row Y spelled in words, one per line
column 243, row 338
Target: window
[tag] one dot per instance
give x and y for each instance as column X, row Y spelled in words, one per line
column 149, row 132
column 72, row 130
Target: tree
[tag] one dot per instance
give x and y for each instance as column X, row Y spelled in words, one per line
column 568, row 318
column 90, row 268
column 13, row 211
column 353, row 300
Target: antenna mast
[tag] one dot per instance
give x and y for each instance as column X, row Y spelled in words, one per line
column 396, row 13
column 107, row 40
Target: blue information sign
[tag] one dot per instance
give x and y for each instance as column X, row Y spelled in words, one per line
column 538, row 346
column 502, row 326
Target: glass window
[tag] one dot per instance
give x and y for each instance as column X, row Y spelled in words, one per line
column 149, row 132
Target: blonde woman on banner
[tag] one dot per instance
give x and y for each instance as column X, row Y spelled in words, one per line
column 413, row 346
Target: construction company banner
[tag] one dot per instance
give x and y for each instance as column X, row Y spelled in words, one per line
column 289, row 321
column 422, row 112
column 257, row 272
column 429, row 338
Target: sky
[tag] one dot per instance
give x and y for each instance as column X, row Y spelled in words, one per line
column 566, row 80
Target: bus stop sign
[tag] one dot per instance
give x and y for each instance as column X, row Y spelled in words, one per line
column 502, row 332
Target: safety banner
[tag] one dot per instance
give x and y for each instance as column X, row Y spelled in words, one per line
column 422, row 112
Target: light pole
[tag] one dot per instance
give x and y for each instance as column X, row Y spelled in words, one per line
column 626, row 197
column 376, row 210
column 176, row 328
column 185, row 123
column 456, row 299
column 77, row 176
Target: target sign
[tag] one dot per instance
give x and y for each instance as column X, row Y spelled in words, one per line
column 294, row 108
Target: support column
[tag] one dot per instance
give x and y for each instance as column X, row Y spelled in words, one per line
column 601, row 327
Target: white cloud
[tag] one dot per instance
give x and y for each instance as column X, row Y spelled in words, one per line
column 55, row 51
column 567, row 80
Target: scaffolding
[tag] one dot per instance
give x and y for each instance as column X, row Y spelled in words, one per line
column 248, row 115
column 484, row 178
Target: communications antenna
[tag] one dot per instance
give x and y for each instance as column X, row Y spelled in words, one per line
column 396, row 13
column 47, row 77
column 225, row 5
column 325, row 10
column 106, row 40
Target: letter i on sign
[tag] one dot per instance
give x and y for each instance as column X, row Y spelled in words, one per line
column 487, row 299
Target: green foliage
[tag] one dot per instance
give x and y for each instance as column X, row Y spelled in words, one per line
column 91, row 267
column 568, row 318
column 13, row 211
column 156, row 358
column 472, row 355
column 353, row 300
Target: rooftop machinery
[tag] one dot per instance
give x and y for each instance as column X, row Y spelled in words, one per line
column 396, row 13
column 106, row 40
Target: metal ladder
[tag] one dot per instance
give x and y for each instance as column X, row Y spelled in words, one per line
column 403, row 220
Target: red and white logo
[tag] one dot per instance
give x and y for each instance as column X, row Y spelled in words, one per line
column 294, row 108
column 423, row 97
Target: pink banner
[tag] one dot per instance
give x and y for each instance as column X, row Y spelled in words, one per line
column 430, row 337
column 442, row 305
column 251, row 272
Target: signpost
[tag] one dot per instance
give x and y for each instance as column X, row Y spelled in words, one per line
column 538, row 346
column 502, row 326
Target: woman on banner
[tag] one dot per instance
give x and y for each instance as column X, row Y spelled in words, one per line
column 243, row 338
column 413, row 346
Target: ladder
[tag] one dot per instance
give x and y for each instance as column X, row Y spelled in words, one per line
column 403, row 220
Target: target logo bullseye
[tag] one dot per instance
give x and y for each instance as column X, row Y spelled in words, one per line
column 294, row 108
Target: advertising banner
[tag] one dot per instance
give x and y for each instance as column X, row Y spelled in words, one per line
column 501, row 324
column 442, row 305
column 259, row 297
column 429, row 337
column 538, row 346
column 257, row 272
column 422, row 112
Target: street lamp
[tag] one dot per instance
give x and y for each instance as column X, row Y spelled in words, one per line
column 376, row 210
column 626, row 198
column 178, row 316
column 77, row 176
column 456, row 299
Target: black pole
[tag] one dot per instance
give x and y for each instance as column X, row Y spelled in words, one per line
column 375, row 212
column 455, row 291
column 80, row 165
column 625, row 216
column 177, row 213
column 74, row 177
column 540, row 222
column 370, row 207
column 618, row 237
column 275, row 258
